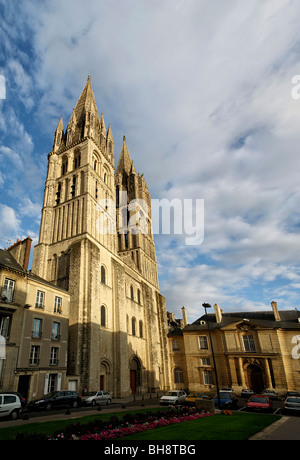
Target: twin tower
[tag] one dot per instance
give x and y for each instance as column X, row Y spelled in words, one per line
column 118, row 319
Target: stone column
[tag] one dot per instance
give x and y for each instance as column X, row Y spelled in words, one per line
column 268, row 374
column 243, row 380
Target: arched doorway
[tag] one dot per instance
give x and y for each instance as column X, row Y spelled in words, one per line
column 104, row 383
column 255, row 378
column 135, row 374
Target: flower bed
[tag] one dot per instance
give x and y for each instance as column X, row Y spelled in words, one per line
column 119, row 432
column 118, row 427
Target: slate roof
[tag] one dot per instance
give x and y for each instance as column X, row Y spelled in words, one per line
column 289, row 320
column 8, row 261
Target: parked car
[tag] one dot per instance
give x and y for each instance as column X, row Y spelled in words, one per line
column 291, row 393
column 191, row 398
column 61, row 398
column 259, row 402
column 246, row 393
column 96, row 397
column 22, row 399
column 228, row 400
column 173, row 397
column 271, row 394
column 292, row 404
column 10, row 405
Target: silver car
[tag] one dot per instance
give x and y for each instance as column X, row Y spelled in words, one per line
column 292, row 404
column 10, row 405
column 173, row 397
column 94, row 398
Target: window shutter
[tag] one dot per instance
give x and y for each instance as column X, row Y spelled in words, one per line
column 2, row 347
column 46, row 384
column 58, row 382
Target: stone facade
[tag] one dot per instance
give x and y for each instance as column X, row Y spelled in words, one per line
column 34, row 325
column 257, row 350
column 89, row 246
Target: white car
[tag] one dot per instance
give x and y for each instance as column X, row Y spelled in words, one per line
column 97, row 397
column 10, row 405
column 173, row 397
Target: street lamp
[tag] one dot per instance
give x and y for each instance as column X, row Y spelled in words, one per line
column 207, row 305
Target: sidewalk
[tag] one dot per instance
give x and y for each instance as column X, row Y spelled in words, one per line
column 128, row 403
column 285, row 429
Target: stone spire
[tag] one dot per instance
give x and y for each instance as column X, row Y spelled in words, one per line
column 58, row 136
column 125, row 162
column 86, row 102
column 85, row 120
column 110, row 145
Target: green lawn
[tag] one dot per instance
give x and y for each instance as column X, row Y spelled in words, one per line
column 8, row 433
column 239, row 426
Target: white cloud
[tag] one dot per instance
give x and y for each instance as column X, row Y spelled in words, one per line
column 2, row 87
column 9, row 224
column 22, row 81
column 29, row 209
column 11, row 156
column 202, row 91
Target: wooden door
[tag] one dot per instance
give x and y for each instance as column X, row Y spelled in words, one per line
column 133, row 380
column 101, row 382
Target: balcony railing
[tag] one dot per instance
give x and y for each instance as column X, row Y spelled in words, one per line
column 55, row 336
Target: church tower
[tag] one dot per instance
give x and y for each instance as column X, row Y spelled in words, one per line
column 96, row 241
column 134, row 223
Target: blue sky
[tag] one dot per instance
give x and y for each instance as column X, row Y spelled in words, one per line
column 202, row 89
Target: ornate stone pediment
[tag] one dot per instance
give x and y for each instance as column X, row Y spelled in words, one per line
column 251, row 361
column 245, row 326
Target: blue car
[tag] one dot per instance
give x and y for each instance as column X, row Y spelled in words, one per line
column 228, row 400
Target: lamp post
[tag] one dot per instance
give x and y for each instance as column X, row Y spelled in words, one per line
column 207, row 305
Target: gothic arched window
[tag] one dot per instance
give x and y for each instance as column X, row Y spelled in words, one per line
column 133, row 325
column 103, row 316
column 77, row 159
column 141, row 328
column 64, row 165
column 103, row 274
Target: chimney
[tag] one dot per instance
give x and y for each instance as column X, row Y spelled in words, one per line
column 21, row 251
column 184, row 317
column 218, row 313
column 275, row 311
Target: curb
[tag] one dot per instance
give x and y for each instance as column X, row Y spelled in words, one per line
column 261, row 435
